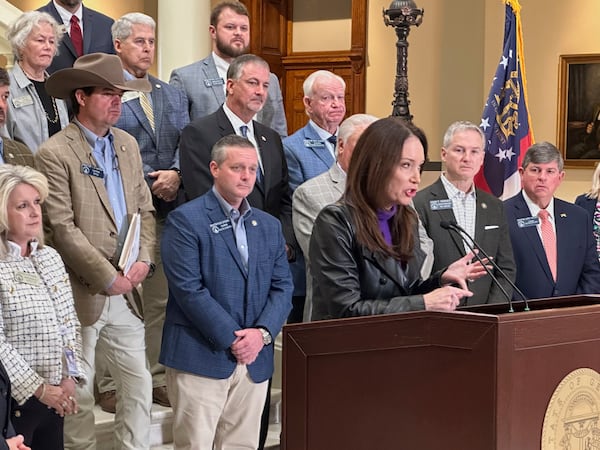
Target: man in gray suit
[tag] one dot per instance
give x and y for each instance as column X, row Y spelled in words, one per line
column 454, row 198
column 312, row 196
column 204, row 81
column 11, row 152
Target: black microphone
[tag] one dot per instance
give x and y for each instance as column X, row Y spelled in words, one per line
column 452, row 225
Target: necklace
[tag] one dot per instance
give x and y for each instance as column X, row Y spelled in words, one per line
column 28, row 75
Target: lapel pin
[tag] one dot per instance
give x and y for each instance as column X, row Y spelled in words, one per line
column 264, row 139
column 10, row 155
column 123, row 148
column 563, row 215
column 157, row 86
column 254, row 223
column 484, row 206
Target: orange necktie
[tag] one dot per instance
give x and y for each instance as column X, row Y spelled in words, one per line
column 549, row 241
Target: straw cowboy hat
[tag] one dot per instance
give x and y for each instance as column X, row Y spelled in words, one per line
column 93, row 70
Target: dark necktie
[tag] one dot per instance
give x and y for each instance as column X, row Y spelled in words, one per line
column 332, row 140
column 76, row 35
column 259, row 174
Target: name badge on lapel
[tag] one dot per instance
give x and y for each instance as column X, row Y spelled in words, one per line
column 129, row 95
column 27, row 278
column 439, row 205
column 314, row 143
column 223, row 225
column 92, row 171
column 210, row 82
column 526, row 222
column 24, row 100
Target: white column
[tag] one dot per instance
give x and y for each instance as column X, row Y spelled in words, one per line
column 182, row 34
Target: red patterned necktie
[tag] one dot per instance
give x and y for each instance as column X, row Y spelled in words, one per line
column 549, row 241
column 76, row 35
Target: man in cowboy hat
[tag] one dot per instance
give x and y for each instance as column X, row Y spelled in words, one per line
column 96, row 182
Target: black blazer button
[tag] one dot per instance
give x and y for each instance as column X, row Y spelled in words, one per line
column 383, row 280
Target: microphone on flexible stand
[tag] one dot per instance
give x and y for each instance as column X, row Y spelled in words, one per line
column 449, row 226
column 452, row 225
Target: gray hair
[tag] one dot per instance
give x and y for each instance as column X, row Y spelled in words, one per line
column 349, row 126
column 10, row 177
column 309, row 82
column 458, row 127
column 19, row 30
column 123, row 26
column 218, row 152
column 543, row 153
column 237, row 65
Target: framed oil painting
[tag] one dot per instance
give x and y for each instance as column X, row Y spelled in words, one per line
column 579, row 109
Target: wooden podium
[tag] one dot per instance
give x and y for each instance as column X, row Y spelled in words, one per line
column 469, row 380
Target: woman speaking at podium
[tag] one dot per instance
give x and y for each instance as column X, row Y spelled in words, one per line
column 364, row 250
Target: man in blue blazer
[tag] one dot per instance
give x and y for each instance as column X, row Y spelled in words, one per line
column 577, row 267
column 204, row 81
column 310, row 151
column 157, row 135
column 95, row 27
column 229, row 296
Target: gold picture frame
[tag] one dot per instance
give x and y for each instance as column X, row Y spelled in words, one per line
column 578, row 135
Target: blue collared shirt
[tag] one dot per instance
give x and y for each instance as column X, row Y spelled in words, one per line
column 237, row 219
column 103, row 149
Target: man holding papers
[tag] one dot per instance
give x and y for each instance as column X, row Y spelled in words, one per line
column 96, row 185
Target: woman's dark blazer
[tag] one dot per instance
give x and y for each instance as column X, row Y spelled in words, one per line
column 589, row 204
column 349, row 280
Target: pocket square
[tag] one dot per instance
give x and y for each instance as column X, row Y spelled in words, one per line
column 491, row 227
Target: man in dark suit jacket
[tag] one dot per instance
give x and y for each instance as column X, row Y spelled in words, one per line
column 229, row 295
column 577, row 268
column 156, row 130
column 11, row 152
column 247, row 81
column 94, row 25
column 454, row 198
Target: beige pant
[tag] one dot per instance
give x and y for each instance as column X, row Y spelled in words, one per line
column 154, row 296
column 207, row 411
column 121, row 334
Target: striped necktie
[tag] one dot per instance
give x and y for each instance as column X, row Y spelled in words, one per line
column 147, row 107
column 549, row 241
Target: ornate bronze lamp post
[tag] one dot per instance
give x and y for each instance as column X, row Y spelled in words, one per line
column 402, row 14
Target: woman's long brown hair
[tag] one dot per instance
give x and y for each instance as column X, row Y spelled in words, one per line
column 375, row 157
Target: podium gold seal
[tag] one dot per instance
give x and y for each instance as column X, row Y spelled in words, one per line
column 572, row 420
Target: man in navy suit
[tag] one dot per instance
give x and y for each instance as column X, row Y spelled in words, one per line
column 156, row 130
column 204, row 81
column 575, row 269
column 229, row 296
column 94, row 26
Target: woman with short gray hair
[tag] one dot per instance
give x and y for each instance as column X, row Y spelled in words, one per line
column 33, row 115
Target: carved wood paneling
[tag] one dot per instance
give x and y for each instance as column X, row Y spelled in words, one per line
column 348, row 65
column 271, row 25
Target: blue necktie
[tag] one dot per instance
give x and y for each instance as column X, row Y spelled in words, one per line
column 112, row 179
column 332, row 140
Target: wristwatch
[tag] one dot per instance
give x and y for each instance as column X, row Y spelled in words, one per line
column 267, row 339
column 151, row 268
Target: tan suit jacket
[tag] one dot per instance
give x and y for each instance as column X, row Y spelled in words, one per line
column 17, row 153
column 79, row 219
